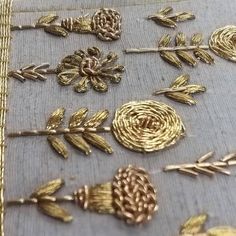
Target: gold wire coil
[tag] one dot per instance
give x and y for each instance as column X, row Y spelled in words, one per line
column 223, row 42
column 147, row 126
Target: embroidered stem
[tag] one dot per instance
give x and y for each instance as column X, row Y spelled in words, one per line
column 161, row 49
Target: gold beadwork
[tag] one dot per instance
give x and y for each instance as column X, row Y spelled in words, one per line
column 147, row 126
column 130, row 196
column 105, row 23
column 222, row 42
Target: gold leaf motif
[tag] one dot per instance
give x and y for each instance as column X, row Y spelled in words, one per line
column 78, row 117
column 55, row 211
column 222, row 231
column 180, row 81
column 98, row 141
column 47, row 19
column 99, row 84
column 196, row 39
column 187, row 58
column 97, row 119
column 82, row 86
column 165, row 11
column 58, row 146
column 181, row 97
column 78, row 142
column 55, row 119
column 180, row 39
column 182, row 16
column 203, row 56
column 56, row 30
column 171, row 58
column 48, row 188
column 161, row 20
column 67, row 77
column 194, row 88
column 164, row 40
column 194, row 224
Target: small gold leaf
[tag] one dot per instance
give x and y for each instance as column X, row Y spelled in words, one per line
column 171, row 58
column 181, row 97
column 98, row 141
column 194, row 224
column 203, row 56
column 82, row 85
column 222, row 231
column 164, row 21
column 99, row 84
column 196, row 39
column 180, row 39
column 48, row 188
column 56, row 30
column 47, row 19
column 165, row 11
column 97, row 119
column 194, row 88
column 182, row 16
column 55, row 119
column 164, row 40
column 78, row 142
column 67, row 77
column 58, row 146
column 55, row 211
column 187, row 58
column 180, row 81
column 78, row 117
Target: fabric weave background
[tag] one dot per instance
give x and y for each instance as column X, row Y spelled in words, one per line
column 209, row 126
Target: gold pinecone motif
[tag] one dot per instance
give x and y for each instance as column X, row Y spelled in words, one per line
column 130, row 196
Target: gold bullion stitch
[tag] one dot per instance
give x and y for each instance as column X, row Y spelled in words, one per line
column 105, row 24
column 130, row 196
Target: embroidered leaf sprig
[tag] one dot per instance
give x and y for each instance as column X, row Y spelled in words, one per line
column 205, row 168
column 181, row 91
column 164, row 17
column 194, row 226
column 81, row 142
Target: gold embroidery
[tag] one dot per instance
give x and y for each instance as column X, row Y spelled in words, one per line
column 143, row 126
column 130, row 196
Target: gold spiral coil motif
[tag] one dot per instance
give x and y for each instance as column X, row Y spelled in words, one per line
column 223, row 42
column 147, row 126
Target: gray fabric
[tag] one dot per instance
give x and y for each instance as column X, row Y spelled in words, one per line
column 210, row 125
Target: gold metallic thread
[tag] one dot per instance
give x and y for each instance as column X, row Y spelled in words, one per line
column 223, row 42
column 201, row 166
column 142, row 126
column 147, row 126
column 105, row 24
column 130, row 196
column 5, row 21
column 83, row 69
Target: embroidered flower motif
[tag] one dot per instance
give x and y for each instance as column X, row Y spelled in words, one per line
column 91, row 68
column 106, row 23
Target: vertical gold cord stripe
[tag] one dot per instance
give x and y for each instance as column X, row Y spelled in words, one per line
column 5, row 18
